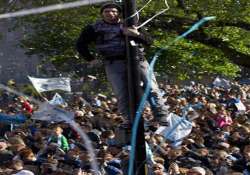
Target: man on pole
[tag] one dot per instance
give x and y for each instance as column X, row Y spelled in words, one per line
column 108, row 35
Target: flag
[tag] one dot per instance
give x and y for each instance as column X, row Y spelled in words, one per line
column 178, row 128
column 149, row 154
column 57, row 100
column 50, row 84
column 240, row 106
column 48, row 112
column 12, row 119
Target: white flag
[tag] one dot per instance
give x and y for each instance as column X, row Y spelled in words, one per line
column 240, row 106
column 178, row 128
column 50, row 84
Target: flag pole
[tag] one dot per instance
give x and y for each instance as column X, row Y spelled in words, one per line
column 134, row 89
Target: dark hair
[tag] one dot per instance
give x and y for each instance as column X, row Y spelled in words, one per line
column 111, row 5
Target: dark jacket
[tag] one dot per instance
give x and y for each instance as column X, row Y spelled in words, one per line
column 108, row 39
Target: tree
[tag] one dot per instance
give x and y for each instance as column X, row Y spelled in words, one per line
column 215, row 48
column 219, row 47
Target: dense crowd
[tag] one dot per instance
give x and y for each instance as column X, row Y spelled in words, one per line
column 218, row 144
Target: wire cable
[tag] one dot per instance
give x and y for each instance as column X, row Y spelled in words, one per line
column 50, row 8
column 157, row 14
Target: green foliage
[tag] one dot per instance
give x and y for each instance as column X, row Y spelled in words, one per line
column 238, row 37
column 191, row 59
column 213, row 49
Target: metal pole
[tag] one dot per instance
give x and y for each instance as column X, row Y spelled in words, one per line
column 134, row 89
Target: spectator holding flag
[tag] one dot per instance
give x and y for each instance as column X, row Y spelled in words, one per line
column 26, row 106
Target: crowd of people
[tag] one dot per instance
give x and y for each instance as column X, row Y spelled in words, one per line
column 218, row 144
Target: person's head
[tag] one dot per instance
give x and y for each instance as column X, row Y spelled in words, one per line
column 246, row 152
column 234, row 150
column 158, row 169
column 22, row 99
column 159, row 160
column 79, row 113
column 16, row 144
column 199, row 139
column 236, row 135
column 58, row 130
column 218, row 158
column 11, row 83
column 118, row 119
column 48, row 168
column 73, row 153
column 78, row 171
column 174, row 153
column 17, row 164
column 235, row 173
column 108, row 134
column 85, row 157
column 3, row 145
column 110, row 12
column 196, row 171
column 37, row 136
column 203, row 151
column 114, row 149
column 27, row 155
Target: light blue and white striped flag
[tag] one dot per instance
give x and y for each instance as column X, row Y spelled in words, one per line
column 50, row 84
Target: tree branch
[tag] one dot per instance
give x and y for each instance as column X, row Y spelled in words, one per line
column 239, row 24
column 235, row 56
column 177, row 24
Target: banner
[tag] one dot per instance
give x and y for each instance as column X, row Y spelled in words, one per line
column 50, row 84
column 48, row 112
column 12, row 119
column 178, row 128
